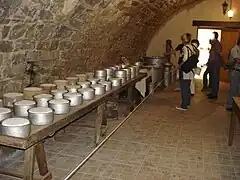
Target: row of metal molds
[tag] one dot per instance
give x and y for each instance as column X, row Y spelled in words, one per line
column 38, row 105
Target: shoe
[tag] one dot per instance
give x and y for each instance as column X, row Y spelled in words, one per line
column 209, row 95
column 181, row 109
column 229, row 109
column 204, row 89
column 212, row 97
column 192, row 95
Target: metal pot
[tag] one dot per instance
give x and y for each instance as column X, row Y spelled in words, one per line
column 84, row 84
column 116, row 82
column 139, row 64
column 121, row 74
column 118, row 67
column 99, row 89
column 137, row 70
column 128, row 71
column 114, row 68
column 100, row 73
column 48, row 87
column 61, row 84
column 21, row 108
column 10, row 98
column 58, row 94
column 74, row 98
column 42, row 99
column 82, row 77
column 90, row 75
column 72, row 80
column 16, row 127
column 124, row 66
column 29, row 92
column 107, row 84
column 110, row 72
column 60, row 106
column 155, row 61
column 5, row 113
column 93, row 80
column 88, row 93
column 133, row 70
column 41, row 116
column 73, row 88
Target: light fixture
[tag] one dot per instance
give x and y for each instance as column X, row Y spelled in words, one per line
column 230, row 13
column 227, row 10
column 225, row 7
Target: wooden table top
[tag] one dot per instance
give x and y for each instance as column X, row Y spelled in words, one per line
column 39, row 133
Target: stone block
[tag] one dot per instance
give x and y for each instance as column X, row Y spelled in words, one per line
column 24, row 44
column 6, row 46
column 5, row 31
column 45, row 15
column 17, row 31
column 65, row 45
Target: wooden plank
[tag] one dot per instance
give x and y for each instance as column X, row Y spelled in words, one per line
column 223, row 24
column 98, row 125
column 29, row 157
column 41, row 159
column 39, row 133
column 130, row 98
column 234, row 116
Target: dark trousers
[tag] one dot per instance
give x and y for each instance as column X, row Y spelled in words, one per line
column 185, row 92
column 215, row 74
column 205, row 79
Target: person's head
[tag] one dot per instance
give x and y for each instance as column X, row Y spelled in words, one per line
column 238, row 42
column 186, row 38
column 195, row 42
column 215, row 35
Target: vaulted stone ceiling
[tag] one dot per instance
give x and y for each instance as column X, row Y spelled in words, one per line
column 79, row 35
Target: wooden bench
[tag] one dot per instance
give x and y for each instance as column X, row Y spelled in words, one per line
column 235, row 114
column 33, row 145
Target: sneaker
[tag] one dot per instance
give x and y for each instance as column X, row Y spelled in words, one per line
column 177, row 89
column 181, row 109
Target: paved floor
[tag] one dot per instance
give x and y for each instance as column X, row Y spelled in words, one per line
column 156, row 143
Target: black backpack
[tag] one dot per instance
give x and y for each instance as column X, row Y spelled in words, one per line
column 192, row 60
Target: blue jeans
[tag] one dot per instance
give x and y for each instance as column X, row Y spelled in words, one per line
column 205, row 79
column 234, row 77
column 185, row 92
column 215, row 74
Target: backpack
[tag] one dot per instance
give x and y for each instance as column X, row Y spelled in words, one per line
column 192, row 60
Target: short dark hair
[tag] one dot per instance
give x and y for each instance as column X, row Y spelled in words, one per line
column 215, row 35
column 238, row 41
column 195, row 41
column 186, row 37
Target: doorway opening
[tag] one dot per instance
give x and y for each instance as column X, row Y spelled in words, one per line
column 204, row 35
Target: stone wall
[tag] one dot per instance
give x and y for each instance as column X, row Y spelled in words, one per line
column 69, row 36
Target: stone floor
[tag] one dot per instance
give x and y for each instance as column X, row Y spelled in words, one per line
column 156, row 143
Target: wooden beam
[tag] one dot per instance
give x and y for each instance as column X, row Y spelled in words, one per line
column 219, row 24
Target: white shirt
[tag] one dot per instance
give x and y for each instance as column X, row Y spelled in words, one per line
column 186, row 54
column 235, row 54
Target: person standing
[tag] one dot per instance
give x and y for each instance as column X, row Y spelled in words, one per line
column 234, row 74
column 206, row 84
column 185, row 78
column 214, row 64
column 195, row 45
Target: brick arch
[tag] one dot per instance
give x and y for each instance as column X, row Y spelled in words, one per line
column 80, row 35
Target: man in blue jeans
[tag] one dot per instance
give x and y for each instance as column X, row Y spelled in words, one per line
column 234, row 74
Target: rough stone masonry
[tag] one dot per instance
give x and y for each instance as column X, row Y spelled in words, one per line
column 69, row 36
